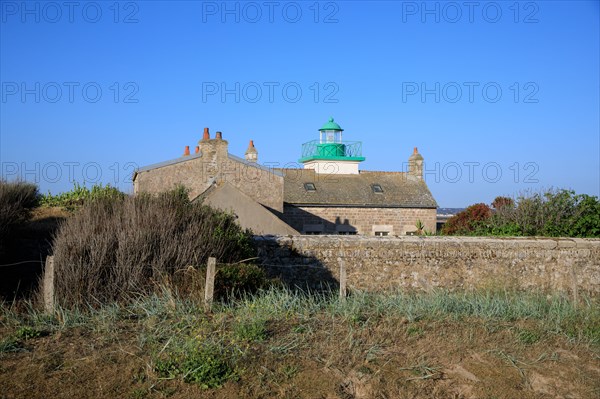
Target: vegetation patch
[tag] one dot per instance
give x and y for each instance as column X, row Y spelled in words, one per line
column 251, row 330
column 79, row 195
column 207, row 364
column 303, row 345
column 116, row 248
column 552, row 213
column 17, row 199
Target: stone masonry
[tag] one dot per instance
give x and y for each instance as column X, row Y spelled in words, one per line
column 365, row 221
column 553, row 265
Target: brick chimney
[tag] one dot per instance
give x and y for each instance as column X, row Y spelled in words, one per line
column 251, row 154
column 213, row 150
column 415, row 164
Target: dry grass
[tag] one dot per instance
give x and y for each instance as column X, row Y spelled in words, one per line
column 280, row 344
column 16, row 201
column 112, row 249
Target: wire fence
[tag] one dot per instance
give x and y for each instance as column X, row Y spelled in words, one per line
column 21, row 262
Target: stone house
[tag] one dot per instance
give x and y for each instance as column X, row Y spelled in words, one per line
column 330, row 195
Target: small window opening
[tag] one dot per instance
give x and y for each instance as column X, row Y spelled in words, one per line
column 310, row 187
column 377, row 188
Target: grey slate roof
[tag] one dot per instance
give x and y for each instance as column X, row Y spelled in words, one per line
column 194, row 156
column 167, row 163
column 400, row 190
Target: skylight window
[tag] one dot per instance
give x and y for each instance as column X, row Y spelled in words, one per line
column 377, row 188
column 310, row 187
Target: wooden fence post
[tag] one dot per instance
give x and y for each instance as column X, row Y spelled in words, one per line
column 342, row 279
column 48, row 288
column 209, row 287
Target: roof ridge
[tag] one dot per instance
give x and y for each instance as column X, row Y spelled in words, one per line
column 382, row 172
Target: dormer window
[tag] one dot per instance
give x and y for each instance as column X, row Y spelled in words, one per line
column 377, row 189
column 310, row 187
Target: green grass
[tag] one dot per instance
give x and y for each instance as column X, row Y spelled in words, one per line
column 209, row 364
column 187, row 344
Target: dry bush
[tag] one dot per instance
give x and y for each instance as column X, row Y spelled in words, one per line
column 16, row 200
column 114, row 248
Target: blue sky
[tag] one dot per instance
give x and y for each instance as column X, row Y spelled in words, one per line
column 499, row 97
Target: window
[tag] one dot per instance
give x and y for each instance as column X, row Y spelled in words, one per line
column 382, row 230
column 347, row 233
column 377, row 189
column 310, row 187
column 312, row 233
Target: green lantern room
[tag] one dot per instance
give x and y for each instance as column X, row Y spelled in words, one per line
column 330, row 153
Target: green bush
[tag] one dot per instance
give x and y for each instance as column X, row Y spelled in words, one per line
column 79, row 195
column 552, row 213
column 17, row 199
column 116, row 247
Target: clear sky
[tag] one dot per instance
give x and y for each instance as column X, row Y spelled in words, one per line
column 499, row 97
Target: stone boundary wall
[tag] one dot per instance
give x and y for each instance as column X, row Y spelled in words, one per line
column 566, row 265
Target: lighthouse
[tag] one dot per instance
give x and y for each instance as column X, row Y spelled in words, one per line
column 330, row 154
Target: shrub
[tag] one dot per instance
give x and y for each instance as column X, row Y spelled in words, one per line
column 16, row 201
column 79, row 195
column 467, row 221
column 114, row 247
column 502, row 202
column 551, row 213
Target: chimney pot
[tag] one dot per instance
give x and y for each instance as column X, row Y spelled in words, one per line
column 219, row 136
column 251, row 153
column 186, row 152
column 415, row 151
column 206, row 135
column 197, row 149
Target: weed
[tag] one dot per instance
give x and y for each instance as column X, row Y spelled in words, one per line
column 414, row 331
column 138, row 393
column 289, row 371
column 300, row 329
column 11, row 344
column 251, row 330
column 528, row 337
column 207, row 364
column 27, row 332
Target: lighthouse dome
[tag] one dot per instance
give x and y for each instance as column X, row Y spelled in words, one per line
column 331, row 125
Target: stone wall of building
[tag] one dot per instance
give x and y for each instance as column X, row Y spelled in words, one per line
column 365, row 221
column 454, row 263
column 197, row 172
